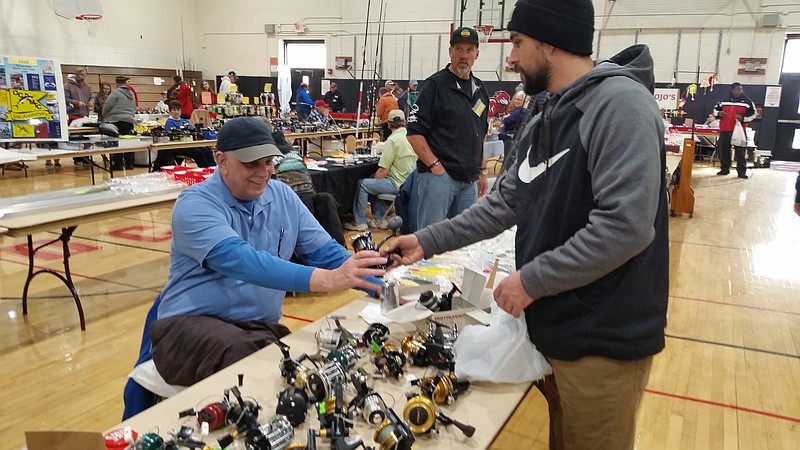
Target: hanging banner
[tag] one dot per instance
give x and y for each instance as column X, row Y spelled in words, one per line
column 32, row 104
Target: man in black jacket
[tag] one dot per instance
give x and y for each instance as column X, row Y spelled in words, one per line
column 446, row 128
column 334, row 98
column 588, row 196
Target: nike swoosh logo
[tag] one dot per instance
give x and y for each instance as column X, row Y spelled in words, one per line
column 527, row 173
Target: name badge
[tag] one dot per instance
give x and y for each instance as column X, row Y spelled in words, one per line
column 478, row 107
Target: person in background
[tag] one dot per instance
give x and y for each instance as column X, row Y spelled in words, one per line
column 162, row 107
column 397, row 162
column 227, row 81
column 78, row 94
column 202, row 156
column 304, row 102
column 233, row 238
column 588, row 197
column 334, row 98
column 386, row 103
column 736, row 108
column 135, row 95
column 182, row 92
column 446, row 127
column 409, row 97
column 516, row 115
column 320, row 114
column 205, row 86
column 712, row 121
column 120, row 111
column 100, row 99
column 797, row 195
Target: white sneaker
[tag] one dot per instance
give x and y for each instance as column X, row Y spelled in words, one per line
column 352, row 226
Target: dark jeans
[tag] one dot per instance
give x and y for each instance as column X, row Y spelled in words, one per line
column 120, row 160
column 724, row 152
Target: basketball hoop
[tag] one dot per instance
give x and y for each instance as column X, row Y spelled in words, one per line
column 484, row 32
column 91, row 22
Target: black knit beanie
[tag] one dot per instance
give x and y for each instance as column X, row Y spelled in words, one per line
column 566, row 24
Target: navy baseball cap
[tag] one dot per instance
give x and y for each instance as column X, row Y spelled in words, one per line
column 247, row 138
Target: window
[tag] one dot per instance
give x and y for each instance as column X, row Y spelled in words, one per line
column 305, row 54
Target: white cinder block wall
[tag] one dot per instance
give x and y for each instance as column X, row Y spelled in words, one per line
column 142, row 33
column 215, row 36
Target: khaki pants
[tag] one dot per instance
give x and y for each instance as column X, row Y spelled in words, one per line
column 593, row 402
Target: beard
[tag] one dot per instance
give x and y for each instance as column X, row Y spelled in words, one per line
column 537, row 80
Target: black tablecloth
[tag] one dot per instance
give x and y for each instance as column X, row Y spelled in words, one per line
column 342, row 182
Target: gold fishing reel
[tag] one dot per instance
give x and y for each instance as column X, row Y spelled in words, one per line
column 420, row 413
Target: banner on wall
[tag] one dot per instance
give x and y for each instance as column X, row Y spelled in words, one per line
column 32, row 105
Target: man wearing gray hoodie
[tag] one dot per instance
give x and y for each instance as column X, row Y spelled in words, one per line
column 119, row 110
column 588, row 196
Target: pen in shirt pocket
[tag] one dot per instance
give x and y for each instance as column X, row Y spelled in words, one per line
column 280, row 240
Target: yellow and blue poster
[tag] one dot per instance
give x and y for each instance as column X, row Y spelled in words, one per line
column 32, row 104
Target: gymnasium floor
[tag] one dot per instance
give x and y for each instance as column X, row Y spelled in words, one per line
column 728, row 379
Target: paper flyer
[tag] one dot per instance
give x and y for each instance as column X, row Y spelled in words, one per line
column 32, row 104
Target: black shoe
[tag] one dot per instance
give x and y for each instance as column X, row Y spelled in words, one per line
column 723, row 172
column 742, row 176
column 129, row 166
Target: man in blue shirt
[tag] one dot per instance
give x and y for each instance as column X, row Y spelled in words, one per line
column 304, row 102
column 202, row 156
column 233, row 236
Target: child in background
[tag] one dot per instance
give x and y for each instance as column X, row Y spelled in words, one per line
column 202, row 156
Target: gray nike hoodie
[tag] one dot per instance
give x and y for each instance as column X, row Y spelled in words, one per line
column 588, row 195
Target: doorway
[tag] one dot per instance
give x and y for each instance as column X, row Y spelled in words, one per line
column 787, row 134
column 307, row 61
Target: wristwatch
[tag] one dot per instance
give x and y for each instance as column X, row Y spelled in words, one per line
column 433, row 164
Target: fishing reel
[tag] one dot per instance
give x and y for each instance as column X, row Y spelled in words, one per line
column 293, row 370
column 389, row 361
column 421, row 414
column 293, row 404
column 346, row 356
column 336, row 422
column 276, row 434
column 424, row 353
column 241, row 413
column 435, row 303
column 333, row 338
column 364, row 241
column 367, row 401
column 442, row 389
column 377, row 333
column 323, row 381
column 393, row 433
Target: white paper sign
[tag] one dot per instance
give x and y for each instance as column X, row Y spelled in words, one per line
column 772, row 99
column 666, row 98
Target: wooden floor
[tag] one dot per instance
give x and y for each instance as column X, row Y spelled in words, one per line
column 728, row 379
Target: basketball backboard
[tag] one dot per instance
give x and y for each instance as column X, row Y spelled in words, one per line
column 494, row 13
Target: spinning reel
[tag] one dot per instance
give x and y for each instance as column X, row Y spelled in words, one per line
column 334, row 338
column 336, row 423
column 424, row 353
column 421, row 414
column 388, row 360
column 367, row 401
column 377, row 333
column 364, row 241
column 442, row 389
column 393, row 434
column 443, row 303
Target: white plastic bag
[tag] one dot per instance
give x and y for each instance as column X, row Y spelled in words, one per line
column 499, row 353
column 738, row 138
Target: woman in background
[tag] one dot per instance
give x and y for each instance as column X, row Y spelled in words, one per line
column 100, row 99
column 206, row 87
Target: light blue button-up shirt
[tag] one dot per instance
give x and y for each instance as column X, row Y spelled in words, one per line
column 207, row 214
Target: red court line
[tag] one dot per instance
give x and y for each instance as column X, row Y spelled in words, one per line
column 725, row 405
column 74, row 275
column 735, row 305
column 301, row 319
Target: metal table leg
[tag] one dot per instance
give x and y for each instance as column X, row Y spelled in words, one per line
column 66, row 234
